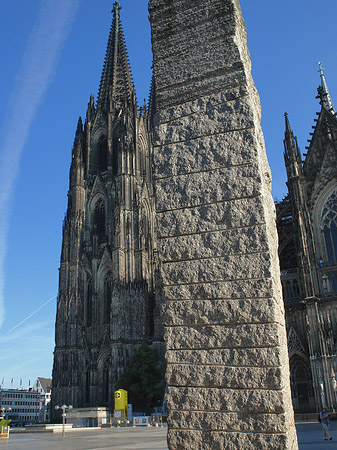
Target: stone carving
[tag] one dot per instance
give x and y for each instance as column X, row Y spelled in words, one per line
column 227, row 375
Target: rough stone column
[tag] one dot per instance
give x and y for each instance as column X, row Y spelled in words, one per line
column 228, row 375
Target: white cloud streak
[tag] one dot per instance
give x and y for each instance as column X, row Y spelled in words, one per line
column 39, row 62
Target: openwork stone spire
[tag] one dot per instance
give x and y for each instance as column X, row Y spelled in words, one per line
column 116, row 76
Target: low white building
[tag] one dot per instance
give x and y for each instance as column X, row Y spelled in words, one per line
column 26, row 406
column 22, row 406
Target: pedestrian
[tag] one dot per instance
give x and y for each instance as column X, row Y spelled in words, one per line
column 324, row 416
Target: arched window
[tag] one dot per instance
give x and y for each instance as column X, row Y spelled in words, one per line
column 329, row 226
column 115, row 148
column 296, row 289
column 333, row 281
column 289, row 292
column 99, row 221
column 107, row 298
column 102, row 151
column 106, row 384
column 87, row 387
column 89, row 303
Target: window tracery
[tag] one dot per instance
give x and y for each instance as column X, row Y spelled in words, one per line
column 329, row 226
column 99, row 221
column 102, row 150
column 107, row 298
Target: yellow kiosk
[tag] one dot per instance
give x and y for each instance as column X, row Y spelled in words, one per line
column 121, row 404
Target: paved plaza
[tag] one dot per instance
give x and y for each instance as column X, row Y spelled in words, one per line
column 310, row 437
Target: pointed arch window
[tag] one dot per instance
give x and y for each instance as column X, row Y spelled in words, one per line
column 87, row 387
column 106, row 384
column 107, row 298
column 329, row 227
column 115, row 148
column 99, row 221
column 102, row 151
column 89, row 303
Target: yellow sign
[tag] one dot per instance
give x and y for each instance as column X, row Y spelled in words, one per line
column 121, row 400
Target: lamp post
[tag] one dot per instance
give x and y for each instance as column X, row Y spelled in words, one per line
column 4, row 410
column 63, row 407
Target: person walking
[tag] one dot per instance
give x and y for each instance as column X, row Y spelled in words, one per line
column 324, row 416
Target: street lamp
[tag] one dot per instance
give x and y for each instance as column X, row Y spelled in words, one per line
column 4, row 410
column 63, row 407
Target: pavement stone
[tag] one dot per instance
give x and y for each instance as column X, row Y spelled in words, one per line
column 310, row 437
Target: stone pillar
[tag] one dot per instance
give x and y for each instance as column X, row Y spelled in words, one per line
column 227, row 374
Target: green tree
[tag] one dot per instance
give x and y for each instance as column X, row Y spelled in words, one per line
column 143, row 379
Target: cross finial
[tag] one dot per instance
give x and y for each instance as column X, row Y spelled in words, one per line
column 321, row 70
column 116, row 7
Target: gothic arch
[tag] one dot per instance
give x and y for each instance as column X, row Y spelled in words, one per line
column 99, row 219
column 103, row 367
column 317, row 216
column 142, row 155
column 100, row 149
column 329, row 226
column 88, row 309
column 115, row 149
column 301, row 383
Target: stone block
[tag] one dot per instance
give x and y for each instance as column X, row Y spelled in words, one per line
column 236, row 288
column 201, row 440
column 220, row 312
column 222, row 336
column 231, row 400
column 229, row 421
column 214, row 376
column 196, row 189
column 260, row 356
column 226, row 215
column 242, row 241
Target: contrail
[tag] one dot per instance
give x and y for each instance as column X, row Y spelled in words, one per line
column 38, row 65
column 30, row 315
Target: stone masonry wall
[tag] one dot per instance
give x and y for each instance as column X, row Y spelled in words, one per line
column 228, row 376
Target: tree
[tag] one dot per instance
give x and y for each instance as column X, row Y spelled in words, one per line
column 143, row 379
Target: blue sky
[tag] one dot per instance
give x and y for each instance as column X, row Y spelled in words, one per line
column 52, row 57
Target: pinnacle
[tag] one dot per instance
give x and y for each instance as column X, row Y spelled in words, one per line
column 116, row 75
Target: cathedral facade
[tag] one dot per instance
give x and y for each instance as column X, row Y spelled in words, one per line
column 307, row 228
column 106, row 301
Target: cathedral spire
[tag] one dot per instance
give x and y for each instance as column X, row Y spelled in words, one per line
column 323, row 92
column 116, row 77
column 292, row 154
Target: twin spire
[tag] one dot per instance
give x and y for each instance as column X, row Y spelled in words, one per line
column 290, row 141
column 116, row 77
column 323, row 92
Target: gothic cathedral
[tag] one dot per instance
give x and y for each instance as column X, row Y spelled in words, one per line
column 307, row 228
column 106, row 301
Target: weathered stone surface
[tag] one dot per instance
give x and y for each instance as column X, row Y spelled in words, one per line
column 234, row 288
column 215, row 269
column 201, row 188
column 201, row 440
column 217, row 243
column 224, row 377
column 226, row 215
column 236, row 115
column 249, row 357
column 222, row 336
column 199, row 312
column 231, row 400
column 220, row 421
